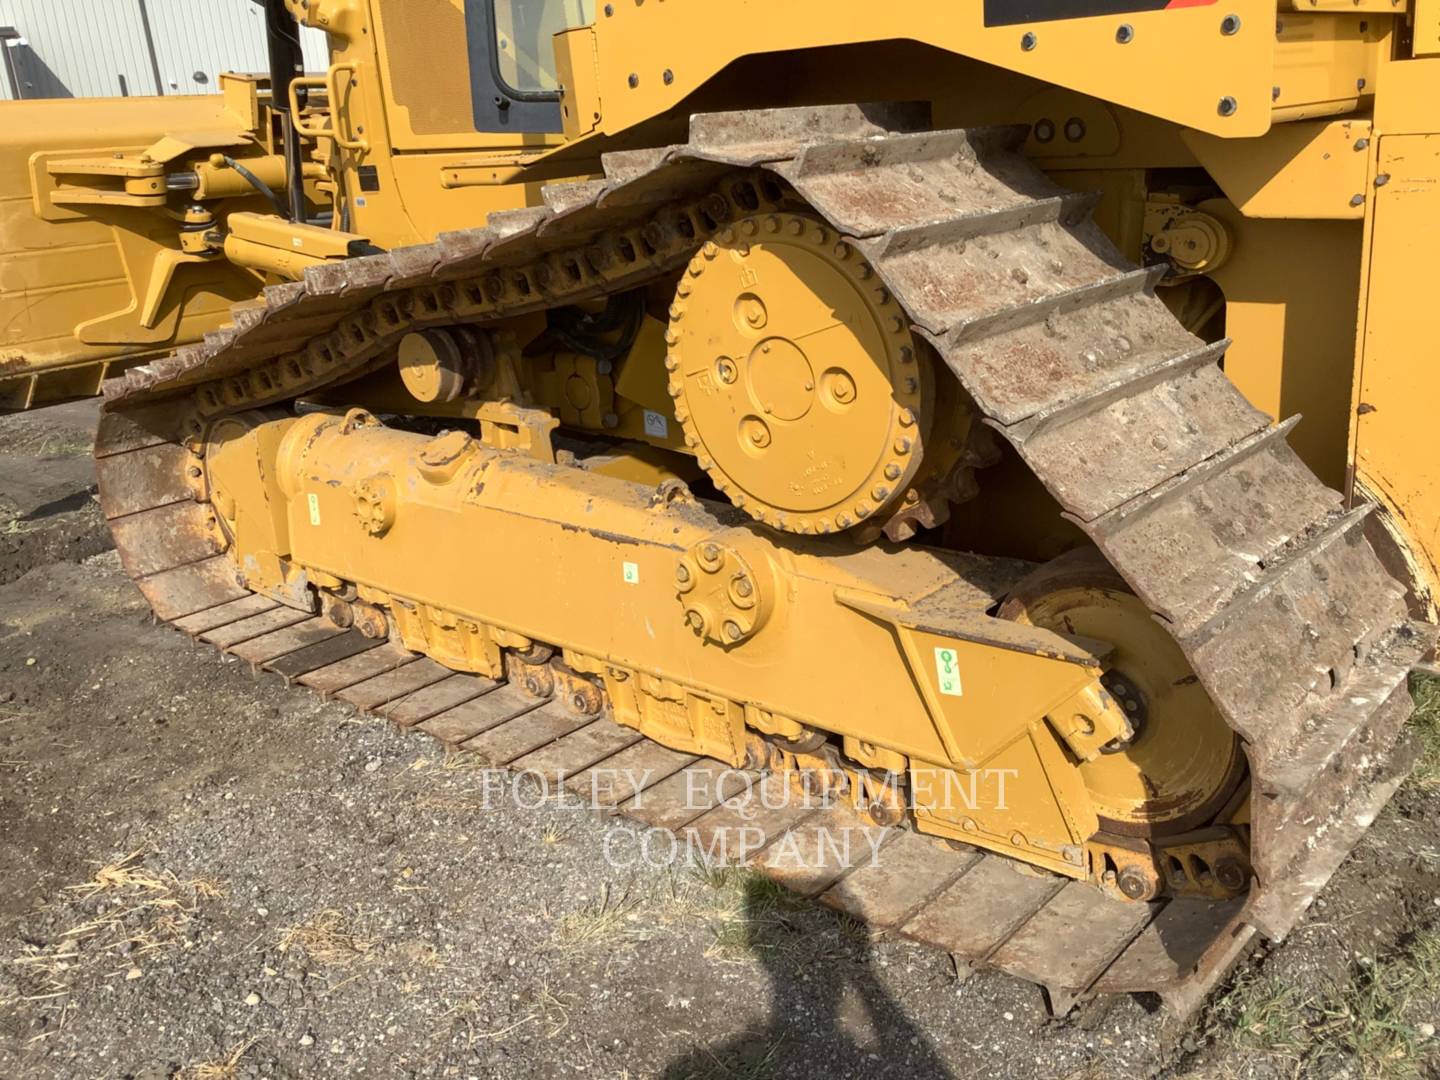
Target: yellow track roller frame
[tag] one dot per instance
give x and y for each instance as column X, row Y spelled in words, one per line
column 692, row 624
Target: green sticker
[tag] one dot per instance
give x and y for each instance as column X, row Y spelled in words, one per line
column 314, row 501
column 632, row 573
column 947, row 670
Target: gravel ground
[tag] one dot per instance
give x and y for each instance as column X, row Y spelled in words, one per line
column 211, row 876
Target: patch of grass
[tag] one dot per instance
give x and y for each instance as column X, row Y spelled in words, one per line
column 555, row 833
column 1425, row 722
column 1377, row 1019
column 228, row 1068
column 1267, row 1016
column 329, row 939
column 853, row 930
column 63, row 446
column 607, row 921
column 745, row 909
column 758, row 1064
column 1371, row 1021
column 160, row 905
column 545, row 1008
column 740, row 886
column 735, row 940
column 124, row 912
column 124, row 873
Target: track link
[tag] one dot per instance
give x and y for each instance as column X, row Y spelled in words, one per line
column 1261, row 573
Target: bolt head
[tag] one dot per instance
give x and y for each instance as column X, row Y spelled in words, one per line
column 1230, row 874
column 1133, row 884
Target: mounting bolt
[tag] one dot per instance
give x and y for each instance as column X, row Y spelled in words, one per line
column 1134, row 884
column 1230, row 25
column 1028, row 41
column 634, row 80
column 1357, row 200
column 1229, row 874
column 1125, row 34
column 1382, row 179
column 667, row 77
column 1227, row 106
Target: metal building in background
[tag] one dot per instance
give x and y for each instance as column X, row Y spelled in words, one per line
column 121, row 48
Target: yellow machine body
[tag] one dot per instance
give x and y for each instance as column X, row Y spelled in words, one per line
column 95, row 276
column 699, row 431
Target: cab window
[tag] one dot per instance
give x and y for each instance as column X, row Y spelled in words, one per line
column 512, row 60
column 524, row 40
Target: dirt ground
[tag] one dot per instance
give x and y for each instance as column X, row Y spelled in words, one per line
column 207, row 875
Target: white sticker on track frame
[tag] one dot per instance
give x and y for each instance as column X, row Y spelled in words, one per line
column 947, row 671
column 313, row 501
column 656, row 425
column 631, row 572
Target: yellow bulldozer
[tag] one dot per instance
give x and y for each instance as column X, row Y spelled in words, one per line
column 902, row 399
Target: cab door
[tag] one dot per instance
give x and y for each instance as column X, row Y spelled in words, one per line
column 468, row 93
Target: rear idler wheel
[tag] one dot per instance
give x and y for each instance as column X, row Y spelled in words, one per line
column 1164, row 797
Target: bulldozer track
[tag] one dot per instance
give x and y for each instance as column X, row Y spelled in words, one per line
column 1260, row 572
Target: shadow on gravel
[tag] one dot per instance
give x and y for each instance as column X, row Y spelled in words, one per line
column 811, row 1031
column 66, row 504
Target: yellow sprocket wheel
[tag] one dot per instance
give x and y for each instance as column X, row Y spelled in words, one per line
column 795, row 376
